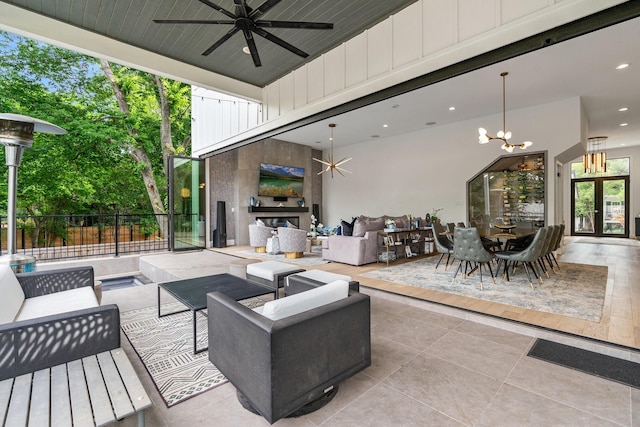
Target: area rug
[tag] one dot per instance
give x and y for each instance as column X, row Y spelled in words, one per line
column 309, row 258
column 575, row 290
column 165, row 346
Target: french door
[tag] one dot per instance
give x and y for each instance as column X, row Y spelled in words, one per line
column 186, row 204
column 599, row 206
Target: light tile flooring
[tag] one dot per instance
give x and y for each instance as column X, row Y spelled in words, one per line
column 432, row 365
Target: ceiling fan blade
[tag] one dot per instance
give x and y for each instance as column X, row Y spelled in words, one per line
column 280, row 42
column 264, row 7
column 192, row 21
column 241, row 7
column 295, row 24
column 251, row 43
column 221, row 40
column 218, row 8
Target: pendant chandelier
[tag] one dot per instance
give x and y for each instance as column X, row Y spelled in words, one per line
column 595, row 159
column 329, row 163
column 502, row 135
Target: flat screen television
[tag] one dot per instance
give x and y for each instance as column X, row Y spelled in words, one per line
column 280, row 181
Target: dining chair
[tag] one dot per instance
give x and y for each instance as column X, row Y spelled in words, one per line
column 553, row 236
column 556, row 245
column 444, row 245
column 451, row 227
column 526, row 257
column 546, row 248
column 468, row 249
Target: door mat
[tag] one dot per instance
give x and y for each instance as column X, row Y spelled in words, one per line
column 600, row 365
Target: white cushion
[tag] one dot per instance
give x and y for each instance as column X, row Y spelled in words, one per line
column 321, row 276
column 298, row 303
column 12, row 295
column 58, row 302
column 266, row 270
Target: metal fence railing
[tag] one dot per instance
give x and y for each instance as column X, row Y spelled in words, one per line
column 57, row 237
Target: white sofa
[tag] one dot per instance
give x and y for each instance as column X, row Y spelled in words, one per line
column 52, row 317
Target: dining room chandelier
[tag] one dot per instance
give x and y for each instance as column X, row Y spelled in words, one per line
column 329, row 163
column 595, row 159
column 503, row 135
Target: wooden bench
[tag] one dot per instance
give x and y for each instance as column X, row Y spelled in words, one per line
column 93, row 391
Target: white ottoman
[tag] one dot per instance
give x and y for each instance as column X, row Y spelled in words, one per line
column 270, row 273
column 306, row 280
column 239, row 267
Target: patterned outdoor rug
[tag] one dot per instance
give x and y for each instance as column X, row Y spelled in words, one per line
column 576, row 290
column 309, row 258
column 165, row 346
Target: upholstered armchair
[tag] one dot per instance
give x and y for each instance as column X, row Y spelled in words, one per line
column 293, row 241
column 292, row 365
column 258, row 235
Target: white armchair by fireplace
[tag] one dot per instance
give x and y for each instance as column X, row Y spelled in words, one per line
column 258, row 235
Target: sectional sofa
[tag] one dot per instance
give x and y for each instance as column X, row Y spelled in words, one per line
column 361, row 247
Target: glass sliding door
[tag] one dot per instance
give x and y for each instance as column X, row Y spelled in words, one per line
column 187, row 203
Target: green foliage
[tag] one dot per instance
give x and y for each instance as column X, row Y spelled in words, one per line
column 90, row 169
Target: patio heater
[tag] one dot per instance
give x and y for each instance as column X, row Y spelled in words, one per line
column 16, row 134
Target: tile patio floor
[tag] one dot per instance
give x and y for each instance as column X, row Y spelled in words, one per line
column 432, row 366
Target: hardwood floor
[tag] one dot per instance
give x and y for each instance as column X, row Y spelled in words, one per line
column 620, row 322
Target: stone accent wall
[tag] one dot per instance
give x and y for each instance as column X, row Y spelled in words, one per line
column 234, row 179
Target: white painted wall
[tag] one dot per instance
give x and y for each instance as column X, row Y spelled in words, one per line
column 418, row 172
column 424, row 37
column 217, row 116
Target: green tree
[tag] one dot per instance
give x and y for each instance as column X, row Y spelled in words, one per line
column 121, row 126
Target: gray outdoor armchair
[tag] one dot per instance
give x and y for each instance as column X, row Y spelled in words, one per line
column 29, row 342
column 279, row 366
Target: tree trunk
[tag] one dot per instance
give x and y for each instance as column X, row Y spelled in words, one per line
column 165, row 128
column 138, row 154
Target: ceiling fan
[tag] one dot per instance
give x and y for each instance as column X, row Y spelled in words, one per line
column 245, row 19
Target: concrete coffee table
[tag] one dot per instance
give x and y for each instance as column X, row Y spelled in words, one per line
column 193, row 294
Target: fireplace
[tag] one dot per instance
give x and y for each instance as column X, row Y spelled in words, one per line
column 280, row 221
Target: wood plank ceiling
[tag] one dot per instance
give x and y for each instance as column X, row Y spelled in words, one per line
column 131, row 22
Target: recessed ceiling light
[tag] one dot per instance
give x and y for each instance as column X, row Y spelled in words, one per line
column 623, row 144
column 430, row 123
column 624, row 124
column 395, row 105
column 375, row 136
column 385, row 125
column 246, row 50
column 623, row 109
column 622, row 66
column 452, row 108
column 317, row 142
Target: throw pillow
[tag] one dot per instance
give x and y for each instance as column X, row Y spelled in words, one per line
column 260, row 222
column 304, row 301
column 359, row 226
column 347, row 227
column 290, row 225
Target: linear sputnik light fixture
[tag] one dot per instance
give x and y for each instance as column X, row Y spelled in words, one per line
column 595, row 159
column 331, row 166
column 502, row 135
